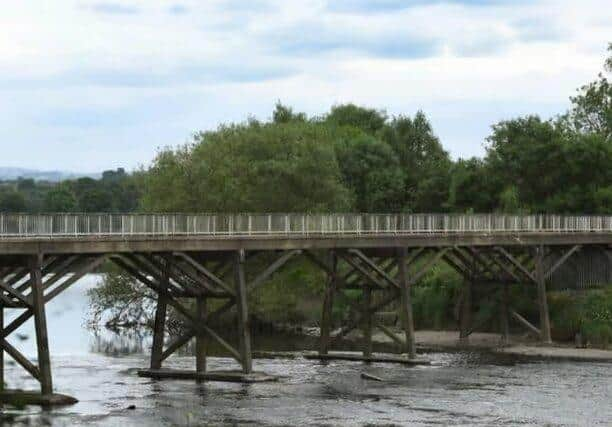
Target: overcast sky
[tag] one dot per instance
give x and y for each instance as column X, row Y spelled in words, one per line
column 93, row 85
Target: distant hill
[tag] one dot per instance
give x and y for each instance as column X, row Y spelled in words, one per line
column 10, row 174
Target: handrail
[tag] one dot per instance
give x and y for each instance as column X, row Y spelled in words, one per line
column 110, row 224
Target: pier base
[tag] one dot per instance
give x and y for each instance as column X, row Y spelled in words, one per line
column 227, row 376
column 356, row 357
column 24, row 397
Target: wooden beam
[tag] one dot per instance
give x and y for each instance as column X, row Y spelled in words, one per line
column 209, row 275
column 244, row 331
column 542, row 298
column 159, row 326
column 381, row 272
column 420, row 273
column 272, row 268
column 517, row 264
column 20, row 358
column 328, row 303
column 561, row 260
column 177, row 343
column 372, row 280
column 406, row 303
column 201, row 341
column 526, row 323
column 82, row 271
column 40, row 325
column 367, row 321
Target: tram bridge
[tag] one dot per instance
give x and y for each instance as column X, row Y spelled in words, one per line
column 189, row 260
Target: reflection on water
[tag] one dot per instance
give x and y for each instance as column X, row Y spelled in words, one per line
column 462, row 388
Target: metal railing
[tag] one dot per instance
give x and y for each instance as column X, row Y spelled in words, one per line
column 62, row 225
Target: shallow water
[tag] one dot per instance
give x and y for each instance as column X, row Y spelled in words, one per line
column 458, row 389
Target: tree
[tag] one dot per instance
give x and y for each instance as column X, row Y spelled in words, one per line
column 425, row 164
column 368, row 120
column 12, row 201
column 60, row 199
column 591, row 110
column 526, row 153
column 371, row 171
column 274, row 167
column 285, row 114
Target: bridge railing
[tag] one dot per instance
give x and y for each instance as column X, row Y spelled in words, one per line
column 50, row 225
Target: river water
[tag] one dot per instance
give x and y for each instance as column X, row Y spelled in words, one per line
column 457, row 389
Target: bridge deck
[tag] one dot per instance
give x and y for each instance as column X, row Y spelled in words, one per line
column 99, row 233
column 168, row 243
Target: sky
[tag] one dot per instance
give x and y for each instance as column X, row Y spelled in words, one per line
column 92, row 85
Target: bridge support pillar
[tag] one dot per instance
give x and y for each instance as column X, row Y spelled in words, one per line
column 504, row 314
column 159, row 327
column 540, row 276
column 244, row 331
column 200, row 349
column 328, row 304
column 40, row 325
column 465, row 310
column 367, row 321
column 406, row 304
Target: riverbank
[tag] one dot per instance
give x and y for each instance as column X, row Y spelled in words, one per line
column 448, row 341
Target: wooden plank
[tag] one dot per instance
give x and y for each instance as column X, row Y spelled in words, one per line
column 40, row 324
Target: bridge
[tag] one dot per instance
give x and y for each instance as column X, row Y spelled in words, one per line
column 207, row 264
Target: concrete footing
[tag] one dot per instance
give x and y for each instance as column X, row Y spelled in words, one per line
column 228, row 376
column 355, row 357
column 24, row 397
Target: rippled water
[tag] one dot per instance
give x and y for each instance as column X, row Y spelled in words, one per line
column 458, row 389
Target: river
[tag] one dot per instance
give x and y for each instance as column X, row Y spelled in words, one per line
column 458, row 388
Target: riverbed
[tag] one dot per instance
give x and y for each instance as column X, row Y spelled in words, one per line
column 465, row 388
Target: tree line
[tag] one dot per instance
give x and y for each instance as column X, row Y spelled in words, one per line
column 355, row 158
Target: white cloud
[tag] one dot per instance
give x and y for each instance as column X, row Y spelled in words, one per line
column 141, row 74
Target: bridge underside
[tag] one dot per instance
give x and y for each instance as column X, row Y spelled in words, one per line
column 203, row 285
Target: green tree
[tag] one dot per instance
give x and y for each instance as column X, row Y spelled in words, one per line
column 591, row 110
column 371, row 170
column 285, row 167
column 426, row 165
column 60, row 199
column 368, row 120
column 12, row 201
